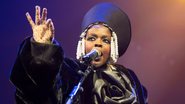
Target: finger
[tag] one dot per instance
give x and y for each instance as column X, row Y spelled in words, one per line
column 49, row 37
column 37, row 16
column 44, row 15
column 30, row 19
column 52, row 28
column 48, row 22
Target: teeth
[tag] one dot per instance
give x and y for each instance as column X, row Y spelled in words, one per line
column 100, row 54
column 97, row 58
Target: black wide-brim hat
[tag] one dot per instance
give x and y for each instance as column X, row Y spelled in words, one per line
column 115, row 18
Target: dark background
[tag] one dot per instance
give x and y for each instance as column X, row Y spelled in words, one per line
column 156, row 52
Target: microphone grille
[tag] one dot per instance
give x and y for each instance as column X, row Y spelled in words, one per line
column 98, row 52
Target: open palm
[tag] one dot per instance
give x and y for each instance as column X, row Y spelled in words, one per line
column 43, row 28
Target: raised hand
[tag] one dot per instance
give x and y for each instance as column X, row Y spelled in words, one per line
column 43, row 28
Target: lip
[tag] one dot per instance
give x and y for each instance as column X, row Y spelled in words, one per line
column 100, row 54
column 98, row 58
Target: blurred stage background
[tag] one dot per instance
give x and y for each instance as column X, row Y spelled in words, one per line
column 156, row 52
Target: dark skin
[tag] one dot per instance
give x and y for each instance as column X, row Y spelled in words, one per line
column 43, row 28
column 43, row 32
column 99, row 37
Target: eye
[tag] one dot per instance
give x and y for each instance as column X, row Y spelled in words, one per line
column 106, row 41
column 91, row 38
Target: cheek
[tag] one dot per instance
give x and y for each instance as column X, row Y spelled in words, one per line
column 106, row 51
column 88, row 46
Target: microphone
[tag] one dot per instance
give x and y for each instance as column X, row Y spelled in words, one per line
column 92, row 55
column 78, row 89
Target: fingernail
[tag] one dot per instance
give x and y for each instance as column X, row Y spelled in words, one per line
column 37, row 7
column 27, row 13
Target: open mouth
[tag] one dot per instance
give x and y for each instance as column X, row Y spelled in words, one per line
column 98, row 58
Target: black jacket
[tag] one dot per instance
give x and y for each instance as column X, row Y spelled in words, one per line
column 42, row 75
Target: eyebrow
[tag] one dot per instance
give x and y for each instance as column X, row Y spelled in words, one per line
column 103, row 36
column 95, row 35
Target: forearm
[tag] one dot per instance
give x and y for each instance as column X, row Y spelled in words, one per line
column 35, row 68
column 45, row 62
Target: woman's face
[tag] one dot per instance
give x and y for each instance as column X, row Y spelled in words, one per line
column 98, row 37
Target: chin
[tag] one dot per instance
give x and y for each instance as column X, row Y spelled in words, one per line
column 97, row 64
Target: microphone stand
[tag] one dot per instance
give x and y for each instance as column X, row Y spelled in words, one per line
column 78, row 88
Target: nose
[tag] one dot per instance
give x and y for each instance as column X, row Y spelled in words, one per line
column 98, row 43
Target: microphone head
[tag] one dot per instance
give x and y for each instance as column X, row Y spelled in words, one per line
column 92, row 55
column 97, row 52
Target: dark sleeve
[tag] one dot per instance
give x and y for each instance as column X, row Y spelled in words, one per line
column 34, row 71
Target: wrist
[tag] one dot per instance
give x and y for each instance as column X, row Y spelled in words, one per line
column 48, row 41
